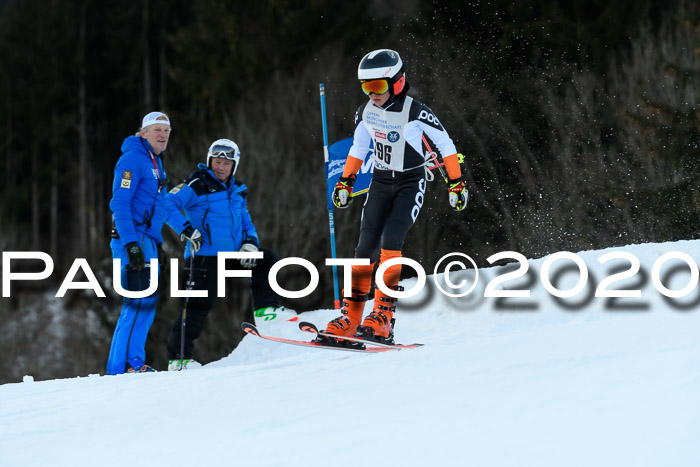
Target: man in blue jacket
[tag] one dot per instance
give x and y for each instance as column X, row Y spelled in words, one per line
column 216, row 219
column 138, row 207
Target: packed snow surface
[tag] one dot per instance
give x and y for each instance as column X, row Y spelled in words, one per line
column 528, row 381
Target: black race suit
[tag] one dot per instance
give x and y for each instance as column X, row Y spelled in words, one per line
column 396, row 193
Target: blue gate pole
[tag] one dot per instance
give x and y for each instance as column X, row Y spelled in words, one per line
column 331, row 222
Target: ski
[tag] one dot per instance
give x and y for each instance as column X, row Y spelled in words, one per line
column 253, row 331
column 310, row 327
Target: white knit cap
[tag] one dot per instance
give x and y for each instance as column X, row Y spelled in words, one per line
column 153, row 118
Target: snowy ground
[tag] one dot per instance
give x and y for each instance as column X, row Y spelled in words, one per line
column 604, row 383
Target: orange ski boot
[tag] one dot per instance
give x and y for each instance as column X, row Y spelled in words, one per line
column 379, row 325
column 353, row 306
column 346, row 324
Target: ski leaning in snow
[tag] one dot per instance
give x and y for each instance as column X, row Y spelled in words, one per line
column 310, row 327
column 252, row 330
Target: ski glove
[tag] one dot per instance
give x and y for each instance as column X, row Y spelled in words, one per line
column 458, row 194
column 194, row 236
column 342, row 193
column 248, row 263
column 136, row 258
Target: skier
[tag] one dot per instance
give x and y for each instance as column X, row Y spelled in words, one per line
column 138, row 207
column 395, row 123
column 216, row 219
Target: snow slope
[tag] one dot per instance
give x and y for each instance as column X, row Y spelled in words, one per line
column 549, row 386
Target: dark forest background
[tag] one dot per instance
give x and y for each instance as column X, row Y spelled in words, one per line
column 577, row 118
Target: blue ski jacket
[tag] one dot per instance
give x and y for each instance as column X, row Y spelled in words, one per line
column 138, row 192
column 218, row 210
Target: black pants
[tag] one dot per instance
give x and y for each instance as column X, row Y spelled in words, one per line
column 205, row 278
column 392, row 206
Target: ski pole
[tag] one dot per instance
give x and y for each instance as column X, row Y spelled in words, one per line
column 438, row 165
column 190, row 286
column 434, row 157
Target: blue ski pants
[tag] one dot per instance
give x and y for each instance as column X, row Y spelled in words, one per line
column 137, row 314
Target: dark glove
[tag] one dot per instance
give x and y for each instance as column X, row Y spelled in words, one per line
column 458, row 194
column 136, row 259
column 163, row 258
column 342, row 193
column 194, row 236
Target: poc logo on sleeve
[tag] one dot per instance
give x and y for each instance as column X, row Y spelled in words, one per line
column 425, row 115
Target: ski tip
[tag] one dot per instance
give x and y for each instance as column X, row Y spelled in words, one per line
column 308, row 327
column 249, row 329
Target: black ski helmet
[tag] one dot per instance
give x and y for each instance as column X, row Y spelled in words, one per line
column 384, row 64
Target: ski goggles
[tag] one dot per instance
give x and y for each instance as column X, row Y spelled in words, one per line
column 223, row 151
column 376, row 86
